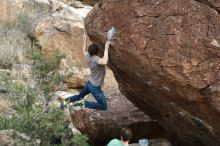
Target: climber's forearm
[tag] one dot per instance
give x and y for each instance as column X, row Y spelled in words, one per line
column 85, row 51
column 104, row 60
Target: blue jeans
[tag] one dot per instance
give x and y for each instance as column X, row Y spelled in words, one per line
column 96, row 92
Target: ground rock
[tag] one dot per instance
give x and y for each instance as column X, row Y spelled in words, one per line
column 11, row 138
column 102, row 126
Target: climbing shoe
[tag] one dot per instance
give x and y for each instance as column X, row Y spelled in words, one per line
column 64, row 103
column 80, row 103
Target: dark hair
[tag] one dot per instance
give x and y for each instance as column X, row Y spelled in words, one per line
column 93, row 49
column 126, row 134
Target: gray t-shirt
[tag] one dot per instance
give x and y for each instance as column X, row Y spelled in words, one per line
column 97, row 71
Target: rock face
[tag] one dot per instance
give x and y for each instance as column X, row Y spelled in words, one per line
column 166, row 59
column 102, row 126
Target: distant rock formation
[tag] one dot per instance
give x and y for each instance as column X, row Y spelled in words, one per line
column 53, row 24
column 166, row 59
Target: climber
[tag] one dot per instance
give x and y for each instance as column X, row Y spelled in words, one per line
column 93, row 86
column 126, row 135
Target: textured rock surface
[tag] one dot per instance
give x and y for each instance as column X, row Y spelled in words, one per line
column 166, row 61
column 215, row 4
column 102, row 126
column 75, row 83
column 91, row 2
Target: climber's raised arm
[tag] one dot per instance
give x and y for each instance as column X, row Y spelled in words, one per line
column 85, row 51
column 104, row 59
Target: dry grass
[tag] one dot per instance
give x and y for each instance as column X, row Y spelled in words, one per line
column 12, row 46
column 4, row 105
column 14, row 41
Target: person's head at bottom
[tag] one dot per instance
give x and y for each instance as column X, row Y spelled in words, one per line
column 126, row 135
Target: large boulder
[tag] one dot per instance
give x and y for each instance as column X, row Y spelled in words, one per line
column 166, row 59
column 102, row 126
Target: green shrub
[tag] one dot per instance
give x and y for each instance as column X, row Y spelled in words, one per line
column 45, row 64
column 23, row 20
column 45, row 70
column 18, row 86
column 34, row 120
column 80, row 140
column 7, row 85
column 38, row 121
column 31, row 117
column 4, row 82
